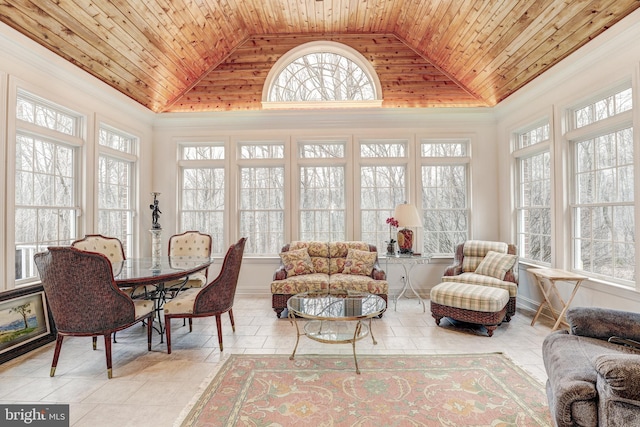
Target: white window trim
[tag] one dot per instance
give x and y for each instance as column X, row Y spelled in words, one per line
column 314, row 47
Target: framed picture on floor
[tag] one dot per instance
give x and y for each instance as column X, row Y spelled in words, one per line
column 25, row 321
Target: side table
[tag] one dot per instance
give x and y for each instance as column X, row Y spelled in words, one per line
column 551, row 276
column 407, row 262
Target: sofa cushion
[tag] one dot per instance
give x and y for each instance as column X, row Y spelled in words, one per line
column 297, row 262
column 318, row 251
column 479, row 279
column 495, row 264
column 338, row 252
column 359, row 262
column 315, row 282
column 475, row 250
column 357, row 283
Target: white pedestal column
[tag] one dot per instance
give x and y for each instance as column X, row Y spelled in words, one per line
column 156, row 247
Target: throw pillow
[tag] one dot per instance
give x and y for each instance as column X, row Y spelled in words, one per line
column 297, row 262
column 359, row 262
column 496, row 264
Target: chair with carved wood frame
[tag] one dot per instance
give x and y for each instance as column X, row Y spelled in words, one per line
column 212, row 300
column 189, row 243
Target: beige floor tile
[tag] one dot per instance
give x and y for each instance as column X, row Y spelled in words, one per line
column 151, row 388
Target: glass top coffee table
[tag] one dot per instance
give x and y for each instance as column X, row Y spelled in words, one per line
column 335, row 318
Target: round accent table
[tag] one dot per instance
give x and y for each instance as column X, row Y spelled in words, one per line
column 407, row 262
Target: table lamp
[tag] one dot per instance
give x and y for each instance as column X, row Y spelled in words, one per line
column 407, row 216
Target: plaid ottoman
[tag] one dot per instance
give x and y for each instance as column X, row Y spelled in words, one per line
column 482, row 305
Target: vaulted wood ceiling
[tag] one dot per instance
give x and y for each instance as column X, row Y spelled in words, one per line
column 214, row 55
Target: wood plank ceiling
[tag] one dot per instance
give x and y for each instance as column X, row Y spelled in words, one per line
column 214, row 55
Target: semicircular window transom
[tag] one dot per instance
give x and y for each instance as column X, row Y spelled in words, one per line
column 322, row 76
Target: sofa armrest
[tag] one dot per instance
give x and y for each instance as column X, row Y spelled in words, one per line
column 620, row 374
column 604, row 323
column 378, row 273
column 280, row 273
column 455, row 269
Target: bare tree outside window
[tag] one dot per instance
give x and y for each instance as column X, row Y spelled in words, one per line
column 262, row 197
column 322, row 76
column 445, row 208
column 45, row 183
column 603, row 213
column 202, row 180
column 382, row 186
column 533, row 201
column 116, row 165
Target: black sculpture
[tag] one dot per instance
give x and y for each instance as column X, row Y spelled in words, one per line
column 155, row 215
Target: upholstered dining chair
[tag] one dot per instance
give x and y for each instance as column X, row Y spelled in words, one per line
column 214, row 299
column 189, row 243
column 111, row 247
column 85, row 300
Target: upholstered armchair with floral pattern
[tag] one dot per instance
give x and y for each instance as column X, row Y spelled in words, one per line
column 313, row 266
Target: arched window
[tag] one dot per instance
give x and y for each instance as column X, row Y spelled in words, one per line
column 321, row 74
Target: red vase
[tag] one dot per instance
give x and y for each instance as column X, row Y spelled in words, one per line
column 405, row 241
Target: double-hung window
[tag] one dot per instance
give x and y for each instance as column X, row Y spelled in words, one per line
column 533, row 197
column 262, row 195
column 383, row 171
column 202, row 204
column 46, row 180
column 603, row 225
column 445, row 193
column 322, row 172
column 116, row 190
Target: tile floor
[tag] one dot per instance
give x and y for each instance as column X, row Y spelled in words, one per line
column 152, row 388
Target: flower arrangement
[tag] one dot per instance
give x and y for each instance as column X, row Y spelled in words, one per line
column 393, row 223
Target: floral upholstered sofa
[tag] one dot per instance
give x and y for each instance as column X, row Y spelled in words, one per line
column 332, row 267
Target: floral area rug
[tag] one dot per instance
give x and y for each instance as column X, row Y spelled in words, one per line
column 400, row 390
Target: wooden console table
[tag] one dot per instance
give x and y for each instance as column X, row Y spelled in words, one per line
column 551, row 276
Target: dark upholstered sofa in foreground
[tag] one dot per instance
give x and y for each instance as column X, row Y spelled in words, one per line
column 594, row 382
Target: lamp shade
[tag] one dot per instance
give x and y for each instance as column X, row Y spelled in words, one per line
column 407, row 215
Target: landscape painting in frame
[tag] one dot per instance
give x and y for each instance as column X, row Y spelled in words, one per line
column 24, row 321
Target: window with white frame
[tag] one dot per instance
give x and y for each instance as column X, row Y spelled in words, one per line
column 116, row 190
column 46, row 180
column 445, row 194
column 202, row 204
column 533, row 198
column 262, row 196
column 383, row 170
column 325, row 72
column 603, row 225
column 322, row 205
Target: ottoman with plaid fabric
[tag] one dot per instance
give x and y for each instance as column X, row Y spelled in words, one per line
column 483, row 305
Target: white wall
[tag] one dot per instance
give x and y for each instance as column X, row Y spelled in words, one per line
column 611, row 58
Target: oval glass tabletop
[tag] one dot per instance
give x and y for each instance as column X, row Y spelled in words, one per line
column 338, row 306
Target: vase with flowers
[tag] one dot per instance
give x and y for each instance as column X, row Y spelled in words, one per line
column 393, row 223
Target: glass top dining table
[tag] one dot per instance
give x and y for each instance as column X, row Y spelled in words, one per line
column 150, row 271
column 139, row 273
